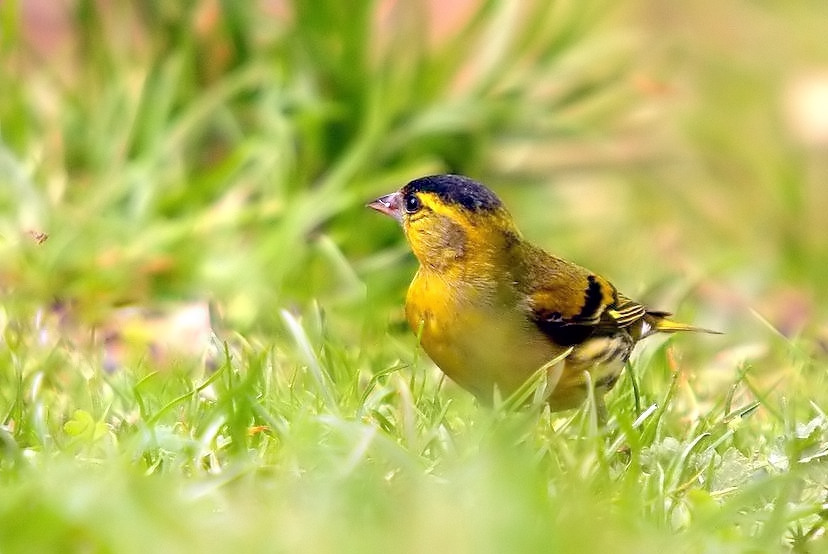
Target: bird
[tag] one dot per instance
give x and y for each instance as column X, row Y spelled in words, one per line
column 492, row 310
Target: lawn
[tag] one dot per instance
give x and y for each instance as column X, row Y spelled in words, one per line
column 203, row 346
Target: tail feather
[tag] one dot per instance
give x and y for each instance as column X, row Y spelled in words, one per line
column 660, row 322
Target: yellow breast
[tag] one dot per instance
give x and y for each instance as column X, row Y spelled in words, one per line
column 476, row 336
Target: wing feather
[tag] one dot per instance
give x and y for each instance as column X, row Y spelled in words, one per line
column 570, row 304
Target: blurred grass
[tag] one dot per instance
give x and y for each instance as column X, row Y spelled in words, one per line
column 224, row 151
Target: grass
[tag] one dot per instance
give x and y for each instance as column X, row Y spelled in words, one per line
column 221, row 153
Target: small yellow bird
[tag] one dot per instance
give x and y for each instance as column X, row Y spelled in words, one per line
column 491, row 309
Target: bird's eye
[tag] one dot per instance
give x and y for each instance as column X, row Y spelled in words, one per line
column 412, row 204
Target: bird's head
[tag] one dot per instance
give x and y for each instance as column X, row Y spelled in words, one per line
column 448, row 219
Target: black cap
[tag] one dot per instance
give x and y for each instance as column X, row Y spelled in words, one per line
column 456, row 189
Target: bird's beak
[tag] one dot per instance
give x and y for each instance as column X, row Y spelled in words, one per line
column 388, row 205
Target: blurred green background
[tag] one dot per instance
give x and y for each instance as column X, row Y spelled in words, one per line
column 206, row 151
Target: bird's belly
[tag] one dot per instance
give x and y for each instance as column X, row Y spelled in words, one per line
column 479, row 347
